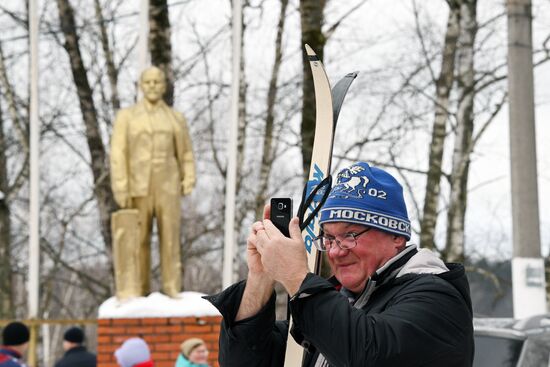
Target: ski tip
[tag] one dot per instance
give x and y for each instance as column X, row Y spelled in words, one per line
column 312, row 55
column 352, row 74
column 310, row 52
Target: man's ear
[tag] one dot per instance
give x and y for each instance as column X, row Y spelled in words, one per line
column 399, row 241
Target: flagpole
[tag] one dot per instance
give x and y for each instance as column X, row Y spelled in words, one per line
column 231, row 175
column 34, row 193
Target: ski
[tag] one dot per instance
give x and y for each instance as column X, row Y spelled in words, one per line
column 327, row 108
column 339, row 93
column 322, row 149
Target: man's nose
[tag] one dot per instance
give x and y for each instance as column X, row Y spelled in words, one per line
column 336, row 251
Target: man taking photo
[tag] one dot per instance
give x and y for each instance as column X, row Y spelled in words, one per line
column 388, row 304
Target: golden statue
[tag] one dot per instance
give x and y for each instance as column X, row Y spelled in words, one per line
column 151, row 167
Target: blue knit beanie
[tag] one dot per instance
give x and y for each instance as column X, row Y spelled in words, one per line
column 369, row 196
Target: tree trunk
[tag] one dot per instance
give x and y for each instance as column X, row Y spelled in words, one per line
column 7, row 309
column 159, row 44
column 21, row 130
column 443, row 88
column 267, row 153
column 6, row 291
column 312, row 19
column 99, row 161
column 242, row 123
column 112, row 71
column 454, row 248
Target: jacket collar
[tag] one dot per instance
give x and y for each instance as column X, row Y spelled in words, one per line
column 385, row 274
column 9, row 351
column 77, row 349
column 424, row 262
column 395, row 263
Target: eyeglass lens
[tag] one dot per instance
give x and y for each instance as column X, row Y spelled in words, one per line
column 348, row 241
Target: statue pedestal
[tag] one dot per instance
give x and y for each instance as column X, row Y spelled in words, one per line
column 164, row 323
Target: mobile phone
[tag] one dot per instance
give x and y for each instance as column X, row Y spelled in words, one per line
column 281, row 212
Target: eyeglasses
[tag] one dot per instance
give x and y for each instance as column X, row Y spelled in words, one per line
column 348, row 241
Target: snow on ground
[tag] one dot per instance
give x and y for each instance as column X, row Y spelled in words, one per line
column 158, row 305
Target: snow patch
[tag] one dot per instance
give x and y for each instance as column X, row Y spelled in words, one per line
column 158, row 305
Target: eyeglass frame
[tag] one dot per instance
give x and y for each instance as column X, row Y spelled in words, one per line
column 317, row 241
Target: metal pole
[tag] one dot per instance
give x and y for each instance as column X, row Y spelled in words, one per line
column 230, row 188
column 527, row 264
column 47, row 357
column 34, row 193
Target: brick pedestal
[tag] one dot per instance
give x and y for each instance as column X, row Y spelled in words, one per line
column 164, row 336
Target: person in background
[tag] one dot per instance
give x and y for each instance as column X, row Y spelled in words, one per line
column 193, row 354
column 76, row 354
column 15, row 339
column 134, row 352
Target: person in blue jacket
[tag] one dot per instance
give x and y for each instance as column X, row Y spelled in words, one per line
column 15, row 340
column 194, row 353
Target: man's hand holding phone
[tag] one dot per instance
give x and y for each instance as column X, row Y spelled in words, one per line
column 280, row 246
column 280, row 214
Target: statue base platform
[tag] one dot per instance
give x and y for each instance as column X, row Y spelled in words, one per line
column 163, row 322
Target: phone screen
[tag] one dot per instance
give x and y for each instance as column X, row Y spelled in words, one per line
column 281, row 212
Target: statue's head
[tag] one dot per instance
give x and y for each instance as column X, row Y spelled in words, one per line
column 153, row 84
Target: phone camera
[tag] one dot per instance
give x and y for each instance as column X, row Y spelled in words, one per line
column 280, row 206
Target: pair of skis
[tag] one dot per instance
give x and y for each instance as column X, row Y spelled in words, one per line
column 327, row 106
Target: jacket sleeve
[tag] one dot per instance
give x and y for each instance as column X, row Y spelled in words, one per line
column 256, row 341
column 424, row 322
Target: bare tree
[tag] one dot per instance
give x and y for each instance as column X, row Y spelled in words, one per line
column 112, row 71
column 6, row 293
column 268, row 143
column 443, row 85
column 19, row 126
column 454, row 247
column 312, row 19
column 8, row 190
column 242, row 124
column 160, row 45
column 99, row 160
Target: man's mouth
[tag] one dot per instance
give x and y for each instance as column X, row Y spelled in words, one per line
column 341, row 266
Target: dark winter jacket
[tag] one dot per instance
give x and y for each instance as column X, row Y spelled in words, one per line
column 10, row 358
column 415, row 311
column 77, row 357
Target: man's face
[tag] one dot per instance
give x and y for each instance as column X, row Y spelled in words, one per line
column 68, row 345
column 353, row 267
column 153, row 85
